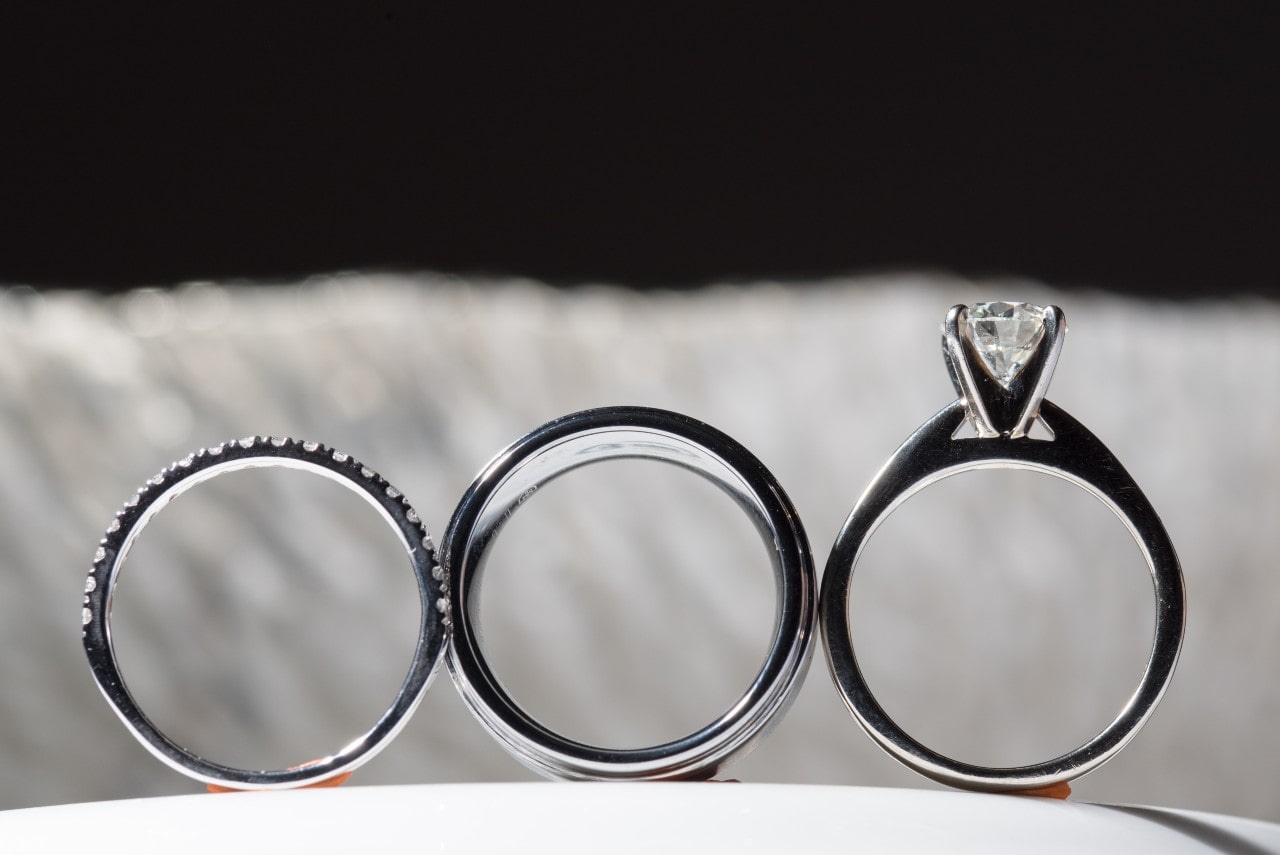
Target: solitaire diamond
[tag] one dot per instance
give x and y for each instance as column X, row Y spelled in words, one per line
column 1005, row 335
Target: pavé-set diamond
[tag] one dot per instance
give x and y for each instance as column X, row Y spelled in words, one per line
column 1005, row 336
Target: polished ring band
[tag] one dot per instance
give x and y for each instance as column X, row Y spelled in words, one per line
column 1001, row 357
column 613, row 433
column 249, row 453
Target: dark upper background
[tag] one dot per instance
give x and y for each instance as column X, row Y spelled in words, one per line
column 1135, row 150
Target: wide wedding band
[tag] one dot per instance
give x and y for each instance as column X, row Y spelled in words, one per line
column 1001, row 357
column 248, row 453
column 607, row 434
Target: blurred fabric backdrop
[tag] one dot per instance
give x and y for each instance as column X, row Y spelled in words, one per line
column 757, row 220
column 1004, row 617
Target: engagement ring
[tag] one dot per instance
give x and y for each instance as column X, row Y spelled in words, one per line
column 1001, row 357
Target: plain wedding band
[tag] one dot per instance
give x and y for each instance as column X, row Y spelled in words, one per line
column 606, row 434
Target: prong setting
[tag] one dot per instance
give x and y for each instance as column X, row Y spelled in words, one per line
column 1003, row 383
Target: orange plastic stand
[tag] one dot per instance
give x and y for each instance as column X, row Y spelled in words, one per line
column 1053, row 791
column 335, row 781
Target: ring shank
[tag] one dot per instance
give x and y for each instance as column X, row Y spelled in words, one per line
column 618, row 433
column 1074, row 455
column 252, row 453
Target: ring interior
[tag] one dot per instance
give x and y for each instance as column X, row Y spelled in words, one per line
column 169, row 751
column 1045, row 470
column 618, row 443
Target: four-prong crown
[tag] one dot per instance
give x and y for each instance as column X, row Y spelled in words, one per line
column 1001, row 357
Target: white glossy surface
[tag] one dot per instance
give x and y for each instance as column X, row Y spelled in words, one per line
column 594, row 818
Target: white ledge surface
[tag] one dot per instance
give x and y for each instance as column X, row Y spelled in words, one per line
column 620, row 818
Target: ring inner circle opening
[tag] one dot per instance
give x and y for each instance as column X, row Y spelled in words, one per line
column 628, row 603
column 266, row 617
column 1001, row 616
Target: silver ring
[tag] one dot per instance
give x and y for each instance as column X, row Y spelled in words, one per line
column 605, row 434
column 255, row 452
column 1001, row 357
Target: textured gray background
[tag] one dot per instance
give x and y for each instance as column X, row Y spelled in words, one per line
column 266, row 616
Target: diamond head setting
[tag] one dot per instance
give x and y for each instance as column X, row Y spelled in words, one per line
column 1005, row 336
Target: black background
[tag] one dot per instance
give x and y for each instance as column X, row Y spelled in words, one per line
column 1133, row 149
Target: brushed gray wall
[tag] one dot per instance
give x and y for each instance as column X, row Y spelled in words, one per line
column 266, row 616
